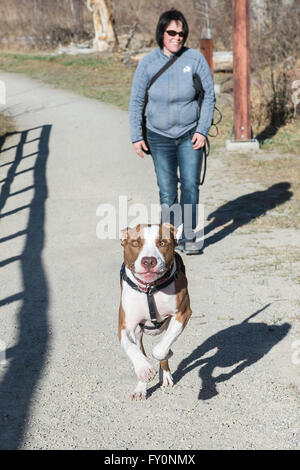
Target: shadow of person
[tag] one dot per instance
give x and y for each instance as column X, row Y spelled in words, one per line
column 238, row 346
column 245, row 208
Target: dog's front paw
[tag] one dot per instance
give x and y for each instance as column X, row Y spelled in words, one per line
column 145, row 372
column 140, row 392
column 138, row 395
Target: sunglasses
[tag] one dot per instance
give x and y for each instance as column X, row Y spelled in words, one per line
column 172, row 33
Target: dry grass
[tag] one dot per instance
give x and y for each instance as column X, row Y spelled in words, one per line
column 104, row 79
column 32, row 24
column 281, row 138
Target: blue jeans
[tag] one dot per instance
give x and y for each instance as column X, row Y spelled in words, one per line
column 168, row 155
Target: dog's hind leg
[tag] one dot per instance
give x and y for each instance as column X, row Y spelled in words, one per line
column 165, row 375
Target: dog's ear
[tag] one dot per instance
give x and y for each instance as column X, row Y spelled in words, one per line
column 175, row 232
column 124, row 235
column 170, row 229
column 179, row 232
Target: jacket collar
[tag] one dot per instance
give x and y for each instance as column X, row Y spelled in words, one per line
column 165, row 57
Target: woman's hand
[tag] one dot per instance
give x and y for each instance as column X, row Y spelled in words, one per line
column 139, row 146
column 198, row 141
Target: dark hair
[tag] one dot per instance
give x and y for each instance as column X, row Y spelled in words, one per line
column 164, row 21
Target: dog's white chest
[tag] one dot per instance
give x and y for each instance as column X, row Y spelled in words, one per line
column 136, row 307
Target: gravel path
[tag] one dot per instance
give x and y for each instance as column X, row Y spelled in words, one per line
column 66, row 380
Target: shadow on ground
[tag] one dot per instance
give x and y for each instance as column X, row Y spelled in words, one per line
column 244, row 209
column 238, row 347
column 26, row 359
column 267, row 133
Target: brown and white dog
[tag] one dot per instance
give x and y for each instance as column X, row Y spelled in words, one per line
column 150, row 264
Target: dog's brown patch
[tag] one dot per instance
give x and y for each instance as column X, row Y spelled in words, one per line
column 164, row 365
column 166, row 243
column 132, row 242
column 122, row 324
column 142, row 346
column 182, row 300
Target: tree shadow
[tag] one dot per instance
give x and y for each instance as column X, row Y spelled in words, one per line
column 238, row 346
column 242, row 210
column 267, row 133
column 279, row 107
column 26, row 359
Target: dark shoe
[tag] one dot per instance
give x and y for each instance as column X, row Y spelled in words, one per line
column 189, row 248
column 180, row 246
column 192, row 248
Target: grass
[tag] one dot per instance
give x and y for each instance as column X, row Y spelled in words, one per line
column 106, row 79
column 286, row 139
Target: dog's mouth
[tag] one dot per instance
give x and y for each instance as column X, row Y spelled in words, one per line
column 149, row 275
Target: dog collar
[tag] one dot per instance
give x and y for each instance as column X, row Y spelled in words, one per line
column 151, row 288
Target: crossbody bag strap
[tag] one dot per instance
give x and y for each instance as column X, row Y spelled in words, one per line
column 162, row 70
column 153, row 79
column 165, row 67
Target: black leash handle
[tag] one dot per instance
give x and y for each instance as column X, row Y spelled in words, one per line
column 206, row 151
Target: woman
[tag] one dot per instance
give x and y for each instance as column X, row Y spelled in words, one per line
column 175, row 130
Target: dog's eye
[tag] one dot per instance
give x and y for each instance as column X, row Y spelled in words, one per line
column 163, row 243
column 135, row 243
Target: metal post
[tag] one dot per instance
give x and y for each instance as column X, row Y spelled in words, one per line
column 241, row 70
column 206, row 48
column 241, row 78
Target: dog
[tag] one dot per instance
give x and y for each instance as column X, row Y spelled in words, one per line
column 154, row 299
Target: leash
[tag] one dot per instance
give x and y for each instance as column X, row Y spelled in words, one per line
column 151, row 289
column 206, row 151
column 215, row 124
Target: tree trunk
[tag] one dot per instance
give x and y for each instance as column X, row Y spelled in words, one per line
column 76, row 10
column 105, row 34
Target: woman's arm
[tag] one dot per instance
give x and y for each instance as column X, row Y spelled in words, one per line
column 137, row 97
column 208, row 103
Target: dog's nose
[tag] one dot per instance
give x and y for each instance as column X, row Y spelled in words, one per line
column 149, row 262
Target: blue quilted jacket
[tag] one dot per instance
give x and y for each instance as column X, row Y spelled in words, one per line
column 172, row 109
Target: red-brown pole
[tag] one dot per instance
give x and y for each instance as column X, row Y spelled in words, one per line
column 206, row 48
column 241, row 69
